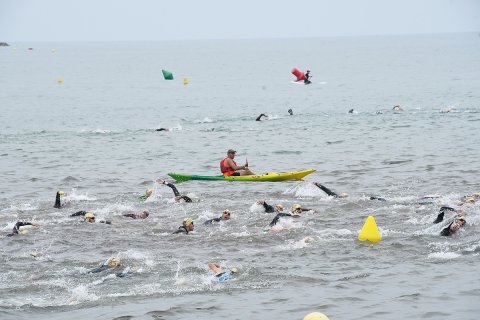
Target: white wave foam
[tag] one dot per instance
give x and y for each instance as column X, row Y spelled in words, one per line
column 24, row 207
column 443, row 255
column 257, row 208
column 81, row 294
column 79, row 197
column 205, row 120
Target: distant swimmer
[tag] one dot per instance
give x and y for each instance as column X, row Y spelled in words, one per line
column 138, row 215
column 350, row 111
column 307, row 77
column 188, row 198
column 229, row 167
column 290, row 111
column 146, row 195
column 458, row 222
column 225, row 216
column 221, row 274
column 448, row 110
column 16, row 229
column 89, row 217
column 397, row 108
column 58, row 204
column 281, row 215
column 377, row 198
column 162, row 129
column 441, row 213
column 186, row 227
column 468, row 199
column 112, row 264
column 259, row 118
column 268, row 208
column 297, row 209
column 330, row 192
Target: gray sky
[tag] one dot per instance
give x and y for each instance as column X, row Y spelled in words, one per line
column 84, row 20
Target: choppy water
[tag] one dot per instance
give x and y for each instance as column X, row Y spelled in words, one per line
column 93, row 137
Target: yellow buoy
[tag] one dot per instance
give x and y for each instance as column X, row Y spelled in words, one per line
column 315, row 316
column 59, row 79
column 370, row 231
column 185, row 80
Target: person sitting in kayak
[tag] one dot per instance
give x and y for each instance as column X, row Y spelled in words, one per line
column 259, row 118
column 229, row 167
column 330, row 192
column 220, row 273
column 178, row 196
column 16, row 228
column 225, row 216
column 307, row 77
column 58, row 204
column 268, row 208
column 186, row 227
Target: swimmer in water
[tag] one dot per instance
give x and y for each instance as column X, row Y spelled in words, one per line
column 458, row 222
column 147, row 194
column 306, row 80
column 469, row 199
column 377, row 198
column 330, row 192
column 281, row 215
column 290, row 111
column 397, row 108
column 259, row 118
column 178, row 196
column 225, row 216
column 350, row 111
column 89, row 217
column 268, row 208
column 112, row 264
column 220, row 273
column 162, row 129
column 186, row 227
column 138, row 215
column 58, row 204
column 16, row 229
column 441, row 213
column 297, row 209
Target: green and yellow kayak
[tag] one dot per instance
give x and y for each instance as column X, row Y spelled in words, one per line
column 271, row 176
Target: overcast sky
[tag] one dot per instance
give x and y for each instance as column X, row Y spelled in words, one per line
column 84, row 20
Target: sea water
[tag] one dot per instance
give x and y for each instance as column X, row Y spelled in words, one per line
column 93, row 136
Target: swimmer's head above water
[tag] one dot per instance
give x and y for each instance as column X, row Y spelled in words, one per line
column 188, row 224
column 225, row 215
column 89, row 217
column 114, row 262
